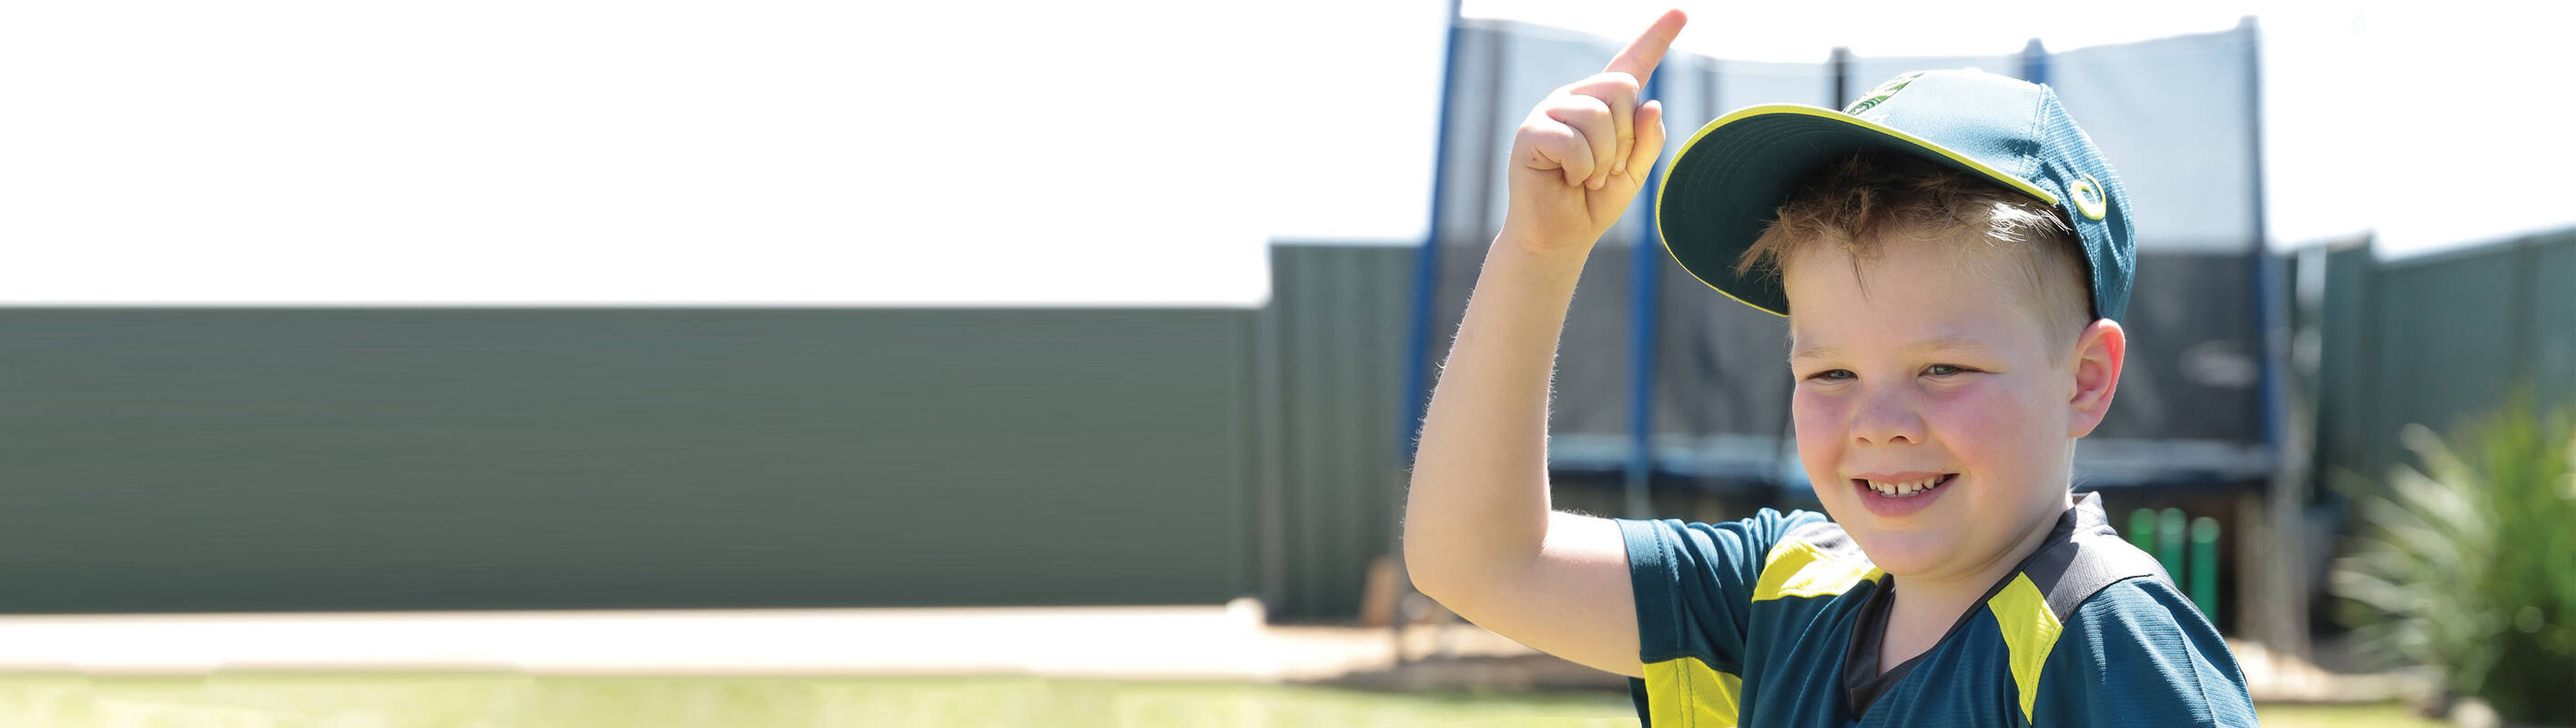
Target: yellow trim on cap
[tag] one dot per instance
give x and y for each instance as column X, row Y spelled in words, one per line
column 1684, row 692
column 1804, row 110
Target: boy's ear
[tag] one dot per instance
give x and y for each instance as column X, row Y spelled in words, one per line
column 2098, row 356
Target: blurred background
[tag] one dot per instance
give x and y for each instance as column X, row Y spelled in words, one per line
column 552, row 363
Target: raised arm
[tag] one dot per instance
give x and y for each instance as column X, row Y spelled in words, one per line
column 1479, row 534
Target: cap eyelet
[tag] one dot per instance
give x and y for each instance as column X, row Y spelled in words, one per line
column 2087, row 194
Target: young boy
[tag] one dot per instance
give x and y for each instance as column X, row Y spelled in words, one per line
column 1953, row 256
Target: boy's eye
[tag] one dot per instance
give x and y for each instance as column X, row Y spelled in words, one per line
column 1833, row 374
column 1943, row 370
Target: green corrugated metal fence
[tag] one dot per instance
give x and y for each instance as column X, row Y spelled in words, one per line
column 1336, row 328
column 2438, row 340
column 303, row 459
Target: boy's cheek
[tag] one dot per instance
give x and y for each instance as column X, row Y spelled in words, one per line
column 1977, row 421
column 2008, row 417
column 1816, row 420
column 1817, row 423
column 1812, row 409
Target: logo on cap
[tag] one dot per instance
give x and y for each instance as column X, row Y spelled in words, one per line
column 1880, row 94
column 2088, row 198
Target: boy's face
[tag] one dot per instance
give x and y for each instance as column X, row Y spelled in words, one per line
column 1927, row 363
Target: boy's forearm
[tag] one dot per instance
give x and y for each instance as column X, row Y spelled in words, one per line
column 1479, row 503
column 1477, row 513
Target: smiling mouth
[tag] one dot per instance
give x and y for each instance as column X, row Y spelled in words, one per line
column 1907, row 489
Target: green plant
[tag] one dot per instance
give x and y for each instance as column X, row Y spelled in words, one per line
column 2468, row 564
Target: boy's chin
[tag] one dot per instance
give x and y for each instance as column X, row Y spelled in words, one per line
column 1902, row 552
column 1907, row 554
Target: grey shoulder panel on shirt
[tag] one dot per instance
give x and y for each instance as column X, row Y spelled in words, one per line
column 2083, row 556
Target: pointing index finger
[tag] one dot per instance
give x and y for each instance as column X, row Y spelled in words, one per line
column 1643, row 54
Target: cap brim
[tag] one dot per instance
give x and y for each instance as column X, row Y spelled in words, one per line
column 1725, row 184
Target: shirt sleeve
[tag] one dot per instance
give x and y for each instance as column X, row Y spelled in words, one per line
column 2138, row 654
column 1694, row 583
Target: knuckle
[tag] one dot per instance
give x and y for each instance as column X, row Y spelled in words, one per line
column 1551, row 136
column 1608, row 88
column 1580, row 114
column 1614, row 84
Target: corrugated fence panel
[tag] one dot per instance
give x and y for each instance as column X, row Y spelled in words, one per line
column 2552, row 320
column 2441, row 341
column 2448, row 339
column 304, row 459
column 1337, row 322
column 2347, row 402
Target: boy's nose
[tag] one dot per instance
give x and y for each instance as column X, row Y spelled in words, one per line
column 1886, row 419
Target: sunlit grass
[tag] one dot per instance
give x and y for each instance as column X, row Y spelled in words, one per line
column 2373, row 715
column 391, row 700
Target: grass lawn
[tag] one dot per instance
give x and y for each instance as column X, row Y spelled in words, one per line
column 390, row 700
column 2382, row 715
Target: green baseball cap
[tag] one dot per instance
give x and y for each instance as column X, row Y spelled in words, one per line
column 1723, row 188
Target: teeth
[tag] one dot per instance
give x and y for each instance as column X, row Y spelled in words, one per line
column 1900, row 490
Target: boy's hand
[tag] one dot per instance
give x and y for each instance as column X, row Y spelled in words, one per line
column 1584, row 152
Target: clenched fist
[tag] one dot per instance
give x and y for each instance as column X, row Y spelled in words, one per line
column 1582, row 155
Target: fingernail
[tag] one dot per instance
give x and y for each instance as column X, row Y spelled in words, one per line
column 1596, row 184
column 1621, row 168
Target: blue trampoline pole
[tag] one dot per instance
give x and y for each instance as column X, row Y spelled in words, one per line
column 2034, row 62
column 1426, row 263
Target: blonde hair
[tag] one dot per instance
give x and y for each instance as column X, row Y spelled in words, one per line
column 1857, row 199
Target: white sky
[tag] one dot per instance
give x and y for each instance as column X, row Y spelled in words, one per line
column 1121, row 152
